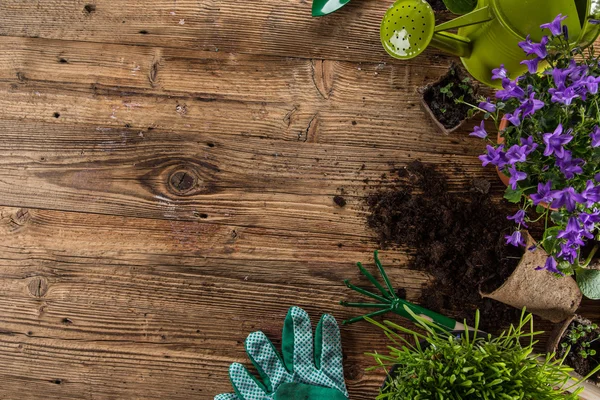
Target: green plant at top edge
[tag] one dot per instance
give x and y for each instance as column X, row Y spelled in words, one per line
column 460, row 6
column 440, row 365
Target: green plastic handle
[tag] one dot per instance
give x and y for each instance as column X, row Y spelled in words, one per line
column 324, row 7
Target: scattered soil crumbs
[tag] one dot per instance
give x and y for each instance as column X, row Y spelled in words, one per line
column 437, row 5
column 583, row 366
column 458, row 239
column 340, row 201
column 441, row 97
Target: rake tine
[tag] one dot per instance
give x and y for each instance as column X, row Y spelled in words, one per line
column 371, row 315
column 384, row 275
column 363, row 291
column 363, row 305
column 372, row 279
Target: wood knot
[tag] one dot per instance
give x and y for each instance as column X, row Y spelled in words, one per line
column 38, row 286
column 181, row 182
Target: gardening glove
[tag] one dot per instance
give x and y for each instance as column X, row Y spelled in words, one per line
column 305, row 372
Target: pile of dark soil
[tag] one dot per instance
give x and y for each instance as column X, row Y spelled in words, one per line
column 458, row 239
column 441, row 97
column 437, row 5
column 582, row 365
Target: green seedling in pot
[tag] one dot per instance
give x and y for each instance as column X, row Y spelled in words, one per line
column 487, row 36
column 389, row 301
column 581, row 334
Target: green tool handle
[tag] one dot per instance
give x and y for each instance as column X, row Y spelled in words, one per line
column 442, row 321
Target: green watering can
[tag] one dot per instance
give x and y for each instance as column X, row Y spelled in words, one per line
column 487, row 36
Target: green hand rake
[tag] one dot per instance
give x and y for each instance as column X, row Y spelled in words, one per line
column 389, row 301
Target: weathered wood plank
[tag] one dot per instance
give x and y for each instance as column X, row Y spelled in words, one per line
column 274, row 27
column 254, row 182
column 87, row 299
column 327, row 102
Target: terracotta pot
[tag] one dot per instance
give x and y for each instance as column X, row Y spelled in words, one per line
column 505, row 179
column 541, row 292
column 558, row 333
column 422, row 90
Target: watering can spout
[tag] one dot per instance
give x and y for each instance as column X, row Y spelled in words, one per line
column 453, row 44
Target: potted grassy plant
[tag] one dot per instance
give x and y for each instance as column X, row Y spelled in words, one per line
column 471, row 365
column 446, row 100
column 548, row 149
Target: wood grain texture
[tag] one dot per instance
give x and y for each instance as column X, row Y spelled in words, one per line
column 167, row 173
column 274, row 27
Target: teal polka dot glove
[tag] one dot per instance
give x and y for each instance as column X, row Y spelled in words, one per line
column 308, row 370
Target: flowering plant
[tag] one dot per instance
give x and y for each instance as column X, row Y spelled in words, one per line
column 550, row 150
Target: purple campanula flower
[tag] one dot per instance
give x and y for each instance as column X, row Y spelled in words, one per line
column 594, row 21
column 569, row 166
column 555, row 141
column 499, row 73
column 530, row 144
column 551, row 266
column 591, row 194
column 539, row 49
column 519, row 218
column 479, row 131
column 544, row 193
column 597, row 177
column 516, row 239
column 515, row 177
column 577, row 71
column 514, row 118
column 532, row 64
column 567, row 198
column 487, row 106
column 531, row 105
column 510, row 90
column 560, row 77
column 590, row 219
column 565, row 96
column 555, row 26
column 591, row 83
column 572, row 232
column 516, row 154
column 595, row 136
column 567, row 253
column 494, row 156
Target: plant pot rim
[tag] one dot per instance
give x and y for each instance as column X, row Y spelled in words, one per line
column 423, row 89
column 541, row 292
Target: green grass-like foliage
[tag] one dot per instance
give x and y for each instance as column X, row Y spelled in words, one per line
column 440, row 365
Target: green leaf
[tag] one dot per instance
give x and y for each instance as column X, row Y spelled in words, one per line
column 589, row 283
column 550, row 239
column 460, row 6
column 514, row 196
column 540, row 209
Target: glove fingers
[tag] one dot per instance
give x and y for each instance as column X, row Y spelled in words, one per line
column 263, row 355
column 297, row 342
column 244, row 384
column 328, row 352
column 226, row 396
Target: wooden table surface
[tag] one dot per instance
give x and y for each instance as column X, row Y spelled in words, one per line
column 167, row 174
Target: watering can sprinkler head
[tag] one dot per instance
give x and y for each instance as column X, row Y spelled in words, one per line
column 487, row 36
